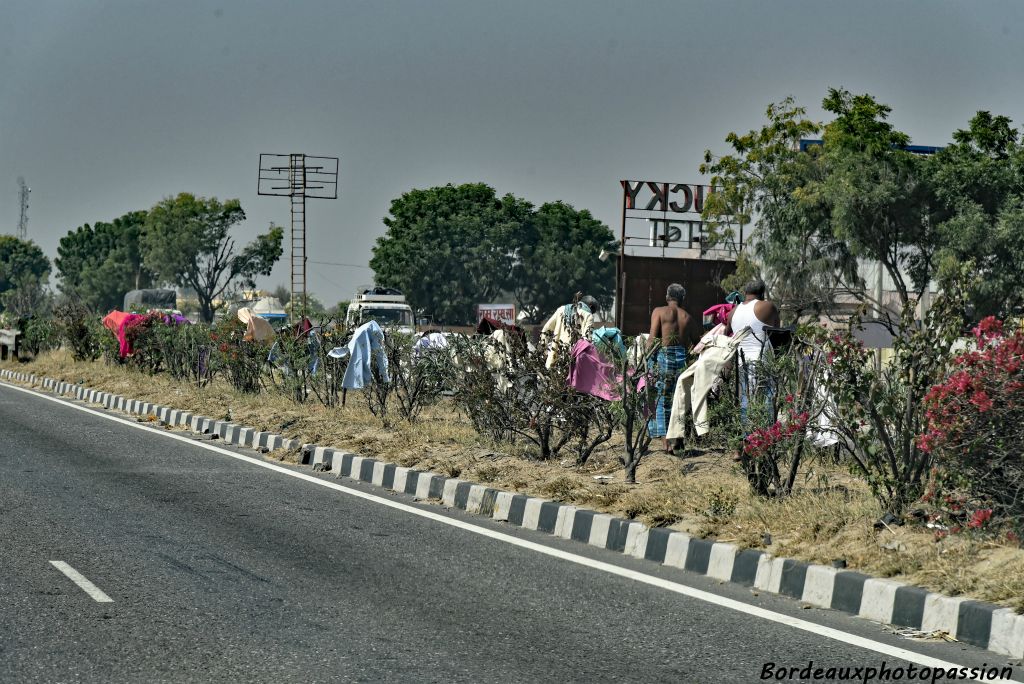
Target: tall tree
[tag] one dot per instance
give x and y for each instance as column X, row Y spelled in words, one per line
column 824, row 212
column 22, row 265
column 100, row 263
column 558, row 256
column 979, row 180
column 880, row 198
column 449, row 248
column 187, row 242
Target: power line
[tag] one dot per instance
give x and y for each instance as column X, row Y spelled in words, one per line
column 338, row 263
column 320, row 275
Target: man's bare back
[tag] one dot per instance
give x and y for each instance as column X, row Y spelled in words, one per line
column 672, row 325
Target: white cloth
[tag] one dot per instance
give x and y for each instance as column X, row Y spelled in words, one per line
column 752, row 346
column 821, row 432
column 694, row 384
column 364, row 349
column 497, row 354
column 428, row 342
column 256, row 329
column 708, row 336
column 637, row 354
column 560, row 330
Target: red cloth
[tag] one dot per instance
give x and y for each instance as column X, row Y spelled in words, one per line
column 117, row 322
column 488, row 325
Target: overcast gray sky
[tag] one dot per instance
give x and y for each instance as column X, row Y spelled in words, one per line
column 107, row 107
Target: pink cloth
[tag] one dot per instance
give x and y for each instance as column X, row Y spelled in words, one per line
column 117, row 322
column 591, row 374
column 719, row 313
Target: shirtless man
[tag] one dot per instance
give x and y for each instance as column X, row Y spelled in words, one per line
column 673, row 327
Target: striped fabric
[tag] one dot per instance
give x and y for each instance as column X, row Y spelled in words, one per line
column 668, row 364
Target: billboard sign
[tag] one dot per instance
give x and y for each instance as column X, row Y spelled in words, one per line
column 505, row 313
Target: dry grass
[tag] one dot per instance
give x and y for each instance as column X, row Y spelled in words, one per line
column 829, row 517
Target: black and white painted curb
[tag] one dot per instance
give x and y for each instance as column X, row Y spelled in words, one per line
column 992, row 627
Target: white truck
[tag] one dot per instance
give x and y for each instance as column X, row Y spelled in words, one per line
column 385, row 305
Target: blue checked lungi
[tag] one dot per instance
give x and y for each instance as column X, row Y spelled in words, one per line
column 668, row 364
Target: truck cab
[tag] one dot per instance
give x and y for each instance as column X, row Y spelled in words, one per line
column 385, row 305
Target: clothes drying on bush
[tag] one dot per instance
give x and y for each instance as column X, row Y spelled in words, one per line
column 567, row 322
column 718, row 314
column 429, row 342
column 609, row 342
column 694, row 384
column 364, row 350
column 117, row 322
column 256, row 329
column 591, row 374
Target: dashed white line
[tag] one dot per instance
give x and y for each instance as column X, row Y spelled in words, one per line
column 85, row 585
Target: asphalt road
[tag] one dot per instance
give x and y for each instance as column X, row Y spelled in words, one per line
column 222, row 571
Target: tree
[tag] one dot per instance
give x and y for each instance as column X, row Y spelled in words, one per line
column 879, row 195
column 979, row 181
column 23, row 265
column 186, row 242
column 449, row 248
column 100, row 263
column 821, row 212
column 765, row 184
column 559, row 256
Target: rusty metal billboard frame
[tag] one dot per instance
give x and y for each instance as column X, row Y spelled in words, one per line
column 676, row 231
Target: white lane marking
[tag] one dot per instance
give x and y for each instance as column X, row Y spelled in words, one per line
column 700, row 595
column 85, row 585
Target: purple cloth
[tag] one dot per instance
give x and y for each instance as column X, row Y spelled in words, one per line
column 590, row 374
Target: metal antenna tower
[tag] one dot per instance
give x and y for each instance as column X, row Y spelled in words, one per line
column 23, row 191
column 298, row 176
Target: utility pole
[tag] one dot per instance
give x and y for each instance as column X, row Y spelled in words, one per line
column 23, row 192
column 298, row 176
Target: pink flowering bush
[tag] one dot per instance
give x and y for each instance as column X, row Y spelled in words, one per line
column 766, row 448
column 764, row 442
column 774, row 436
column 974, row 429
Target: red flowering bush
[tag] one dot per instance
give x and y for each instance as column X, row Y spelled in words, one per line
column 765, row 442
column 974, row 427
column 766, row 448
column 240, row 362
column 773, row 435
column 143, row 340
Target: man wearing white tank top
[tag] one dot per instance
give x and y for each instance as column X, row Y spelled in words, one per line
column 755, row 313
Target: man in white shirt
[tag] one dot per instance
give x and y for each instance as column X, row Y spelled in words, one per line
column 756, row 312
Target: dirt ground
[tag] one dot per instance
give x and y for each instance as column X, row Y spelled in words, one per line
column 829, row 517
